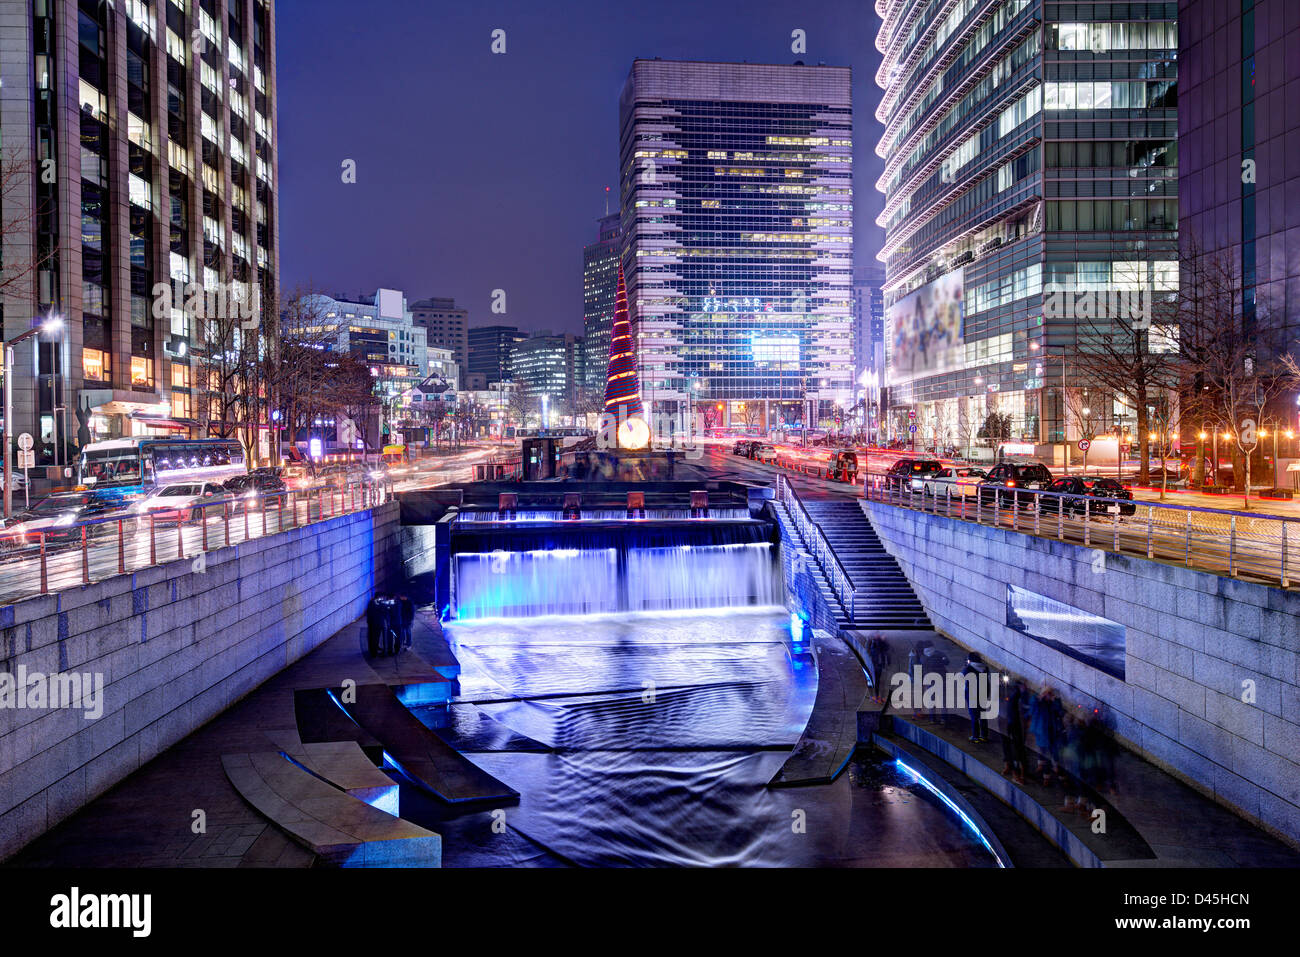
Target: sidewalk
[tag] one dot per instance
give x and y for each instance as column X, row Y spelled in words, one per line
column 1152, row 819
column 147, row 819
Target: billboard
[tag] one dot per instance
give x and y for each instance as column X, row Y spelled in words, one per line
column 926, row 328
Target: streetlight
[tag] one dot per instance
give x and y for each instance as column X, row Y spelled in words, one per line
column 50, row 325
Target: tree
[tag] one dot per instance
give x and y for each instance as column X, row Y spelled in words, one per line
column 1085, row 411
column 1127, row 345
column 1236, row 357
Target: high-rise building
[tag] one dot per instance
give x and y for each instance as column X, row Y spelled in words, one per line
column 489, row 352
column 869, row 343
column 1239, row 146
column 138, row 146
column 737, row 199
column 377, row 329
column 445, row 326
column 544, row 365
column 1027, row 145
column 599, row 286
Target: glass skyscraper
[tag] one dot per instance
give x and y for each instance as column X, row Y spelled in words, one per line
column 1027, row 144
column 737, row 205
column 599, row 288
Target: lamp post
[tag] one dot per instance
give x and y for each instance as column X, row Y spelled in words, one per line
column 1065, row 424
column 51, row 324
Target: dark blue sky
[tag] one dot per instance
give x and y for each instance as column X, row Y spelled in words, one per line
column 478, row 171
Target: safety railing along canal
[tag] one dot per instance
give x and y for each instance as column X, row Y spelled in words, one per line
column 1223, row 541
column 37, row 562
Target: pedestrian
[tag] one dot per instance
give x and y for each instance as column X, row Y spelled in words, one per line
column 374, row 626
column 1015, row 754
column 406, row 614
column 878, row 653
column 974, row 667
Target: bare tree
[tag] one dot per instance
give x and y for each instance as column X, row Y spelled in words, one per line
column 1084, row 410
column 1235, row 355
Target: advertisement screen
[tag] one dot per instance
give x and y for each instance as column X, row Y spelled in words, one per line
column 925, row 330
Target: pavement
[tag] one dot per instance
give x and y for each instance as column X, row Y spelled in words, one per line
column 152, row 818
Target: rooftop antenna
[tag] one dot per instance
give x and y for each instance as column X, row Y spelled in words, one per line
column 606, row 200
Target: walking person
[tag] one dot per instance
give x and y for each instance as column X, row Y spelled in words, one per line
column 878, row 652
column 406, row 616
column 979, row 729
column 1015, row 754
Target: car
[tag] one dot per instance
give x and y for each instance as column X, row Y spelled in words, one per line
column 1005, row 482
column 743, row 447
column 954, row 481
column 762, row 452
column 256, row 483
column 59, row 517
column 911, row 473
column 182, row 502
column 1080, row 494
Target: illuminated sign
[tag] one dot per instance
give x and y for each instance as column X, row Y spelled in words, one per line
column 741, row 305
column 926, row 330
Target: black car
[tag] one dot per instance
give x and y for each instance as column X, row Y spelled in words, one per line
column 1080, row 494
column 1005, row 481
column 59, row 517
column 264, row 481
column 743, row 447
column 911, row 474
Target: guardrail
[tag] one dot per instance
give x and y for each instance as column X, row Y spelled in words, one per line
column 36, row 562
column 815, row 539
column 1235, row 543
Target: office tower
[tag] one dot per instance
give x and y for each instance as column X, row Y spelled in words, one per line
column 489, row 352
column 1239, row 146
column 1028, row 145
column 141, row 136
column 600, row 261
column 544, row 365
column 446, row 326
column 737, row 193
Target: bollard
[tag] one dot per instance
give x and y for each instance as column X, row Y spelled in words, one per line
column 45, row 580
column 85, row 558
column 121, row 548
column 636, row 504
column 507, row 504
column 572, row 505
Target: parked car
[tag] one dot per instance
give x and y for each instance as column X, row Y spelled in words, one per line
column 911, row 473
column 58, row 516
column 743, row 447
column 182, row 502
column 954, row 481
column 263, row 481
column 762, row 452
column 1005, row 482
column 1081, row 494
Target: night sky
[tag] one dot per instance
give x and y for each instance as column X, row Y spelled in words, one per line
column 478, row 171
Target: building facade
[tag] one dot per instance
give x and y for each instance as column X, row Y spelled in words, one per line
column 546, row 365
column 1029, row 145
column 445, row 326
column 599, row 287
column 138, row 141
column 1239, row 143
column 737, row 197
column 869, row 343
column 489, row 353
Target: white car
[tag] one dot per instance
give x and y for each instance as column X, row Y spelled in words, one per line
column 183, row 501
column 954, row 481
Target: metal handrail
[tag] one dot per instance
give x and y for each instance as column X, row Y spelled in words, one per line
column 814, row 538
column 86, row 541
column 1196, row 536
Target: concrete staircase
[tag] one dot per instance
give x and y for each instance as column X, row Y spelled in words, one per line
column 885, row 599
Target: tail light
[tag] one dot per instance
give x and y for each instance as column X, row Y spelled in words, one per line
column 1011, row 483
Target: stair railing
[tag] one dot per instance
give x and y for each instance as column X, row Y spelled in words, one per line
column 814, row 539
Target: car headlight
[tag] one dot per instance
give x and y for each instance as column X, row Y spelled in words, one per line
column 65, row 520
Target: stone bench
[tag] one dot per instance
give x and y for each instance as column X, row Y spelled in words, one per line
column 340, row 829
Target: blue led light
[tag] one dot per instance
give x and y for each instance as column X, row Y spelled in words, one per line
column 916, row 775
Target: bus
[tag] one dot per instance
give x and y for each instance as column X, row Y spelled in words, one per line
column 130, row 467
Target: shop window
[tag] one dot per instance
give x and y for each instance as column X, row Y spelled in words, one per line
column 141, row 372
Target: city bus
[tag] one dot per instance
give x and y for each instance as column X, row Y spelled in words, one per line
column 130, row 467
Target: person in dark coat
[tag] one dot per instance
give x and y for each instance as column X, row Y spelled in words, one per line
column 374, row 626
column 406, row 614
column 1014, row 752
column 979, row 729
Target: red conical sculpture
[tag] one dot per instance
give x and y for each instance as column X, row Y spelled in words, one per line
column 622, row 384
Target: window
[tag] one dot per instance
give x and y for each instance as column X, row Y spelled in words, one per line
column 95, row 364
column 180, row 404
column 141, row 371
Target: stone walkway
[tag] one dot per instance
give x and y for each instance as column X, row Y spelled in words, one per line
column 180, row 809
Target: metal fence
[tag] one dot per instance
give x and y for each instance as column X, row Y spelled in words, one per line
column 1233, row 543
column 815, row 540
column 40, row 561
